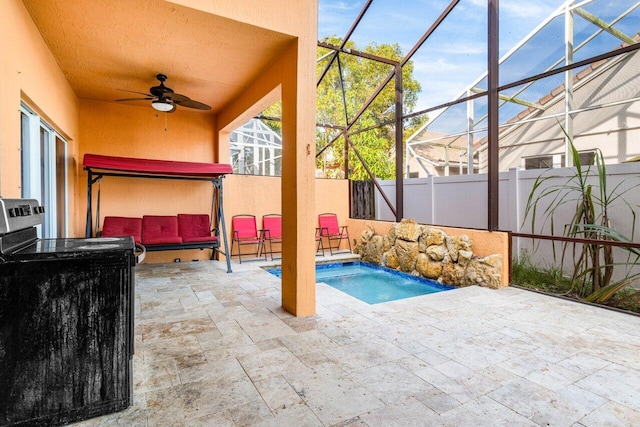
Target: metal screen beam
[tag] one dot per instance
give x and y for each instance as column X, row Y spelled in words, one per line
column 373, row 178
column 606, row 27
column 399, row 145
column 359, row 53
column 345, row 40
column 346, row 118
column 493, row 132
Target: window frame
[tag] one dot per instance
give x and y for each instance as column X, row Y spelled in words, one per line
column 39, row 145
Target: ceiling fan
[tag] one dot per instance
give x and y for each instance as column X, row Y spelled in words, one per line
column 164, row 99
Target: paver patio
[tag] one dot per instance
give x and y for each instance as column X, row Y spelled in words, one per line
column 216, row 349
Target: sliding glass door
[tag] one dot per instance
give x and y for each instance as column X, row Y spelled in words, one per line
column 44, row 171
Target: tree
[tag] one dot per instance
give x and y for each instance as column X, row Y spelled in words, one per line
column 360, row 78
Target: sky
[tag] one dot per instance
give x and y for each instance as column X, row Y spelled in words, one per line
column 455, row 55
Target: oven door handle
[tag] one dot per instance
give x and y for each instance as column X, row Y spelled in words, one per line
column 141, row 253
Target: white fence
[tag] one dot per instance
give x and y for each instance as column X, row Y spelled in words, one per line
column 461, row 201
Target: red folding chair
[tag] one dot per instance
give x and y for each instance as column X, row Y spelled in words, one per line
column 330, row 229
column 272, row 227
column 245, row 232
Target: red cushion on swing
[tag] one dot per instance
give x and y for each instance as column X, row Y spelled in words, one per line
column 195, row 228
column 159, row 230
column 118, row 226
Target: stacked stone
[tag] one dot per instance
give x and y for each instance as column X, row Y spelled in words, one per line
column 429, row 252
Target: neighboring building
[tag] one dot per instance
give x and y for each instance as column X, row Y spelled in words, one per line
column 599, row 107
column 607, row 118
column 256, row 149
column 437, row 154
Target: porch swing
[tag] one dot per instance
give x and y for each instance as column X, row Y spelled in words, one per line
column 154, row 232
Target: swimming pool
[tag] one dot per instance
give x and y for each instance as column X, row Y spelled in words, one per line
column 371, row 283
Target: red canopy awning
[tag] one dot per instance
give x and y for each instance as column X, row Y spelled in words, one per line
column 96, row 162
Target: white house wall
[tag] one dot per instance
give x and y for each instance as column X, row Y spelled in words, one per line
column 615, row 130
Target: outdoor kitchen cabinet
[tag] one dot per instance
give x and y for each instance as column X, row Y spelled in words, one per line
column 66, row 332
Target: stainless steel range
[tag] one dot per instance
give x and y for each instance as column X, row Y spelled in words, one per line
column 66, row 322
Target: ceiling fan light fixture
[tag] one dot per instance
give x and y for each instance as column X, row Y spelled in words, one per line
column 163, row 105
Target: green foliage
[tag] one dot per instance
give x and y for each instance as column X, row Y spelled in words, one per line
column 376, row 152
column 626, row 299
column 592, row 263
column 361, row 77
column 551, row 280
column 525, row 273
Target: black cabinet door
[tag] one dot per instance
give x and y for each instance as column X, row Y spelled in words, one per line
column 65, row 339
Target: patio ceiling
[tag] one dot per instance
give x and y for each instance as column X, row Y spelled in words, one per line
column 105, row 45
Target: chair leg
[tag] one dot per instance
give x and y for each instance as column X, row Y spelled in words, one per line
column 320, row 247
column 239, row 250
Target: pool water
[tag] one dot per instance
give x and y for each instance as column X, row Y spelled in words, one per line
column 371, row 283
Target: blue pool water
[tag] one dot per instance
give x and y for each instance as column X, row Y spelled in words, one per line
column 371, row 283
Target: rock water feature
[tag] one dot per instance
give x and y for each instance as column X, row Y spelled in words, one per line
column 429, row 252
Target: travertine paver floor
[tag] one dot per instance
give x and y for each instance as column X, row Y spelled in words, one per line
column 216, row 349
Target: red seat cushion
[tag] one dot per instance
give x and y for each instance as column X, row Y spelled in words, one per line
column 158, row 230
column 274, row 225
column 329, row 224
column 195, row 228
column 244, row 227
column 199, row 239
column 118, row 226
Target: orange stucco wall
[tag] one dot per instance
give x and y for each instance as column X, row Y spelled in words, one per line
column 130, row 131
column 291, row 77
column 484, row 242
column 290, row 17
column 260, row 195
column 243, row 194
column 29, row 73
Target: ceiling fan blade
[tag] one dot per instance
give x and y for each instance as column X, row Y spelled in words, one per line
column 133, row 91
column 177, row 97
column 190, row 103
column 193, row 104
column 135, row 99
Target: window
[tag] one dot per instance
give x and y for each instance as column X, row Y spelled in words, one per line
column 539, row 162
column 44, row 171
column 587, row 157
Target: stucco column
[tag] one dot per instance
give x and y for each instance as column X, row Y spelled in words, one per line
column 298, row 180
